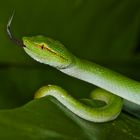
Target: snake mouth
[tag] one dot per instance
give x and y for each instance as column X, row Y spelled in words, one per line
column 10, row 34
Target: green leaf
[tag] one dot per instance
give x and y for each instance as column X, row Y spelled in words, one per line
column 47, row 119
column 105, row 32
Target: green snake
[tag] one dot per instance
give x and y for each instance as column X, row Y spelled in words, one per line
column 115, row 87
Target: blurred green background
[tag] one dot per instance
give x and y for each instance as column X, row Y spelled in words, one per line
column 103, row 31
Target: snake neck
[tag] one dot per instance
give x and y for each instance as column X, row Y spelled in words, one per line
column 104, row 78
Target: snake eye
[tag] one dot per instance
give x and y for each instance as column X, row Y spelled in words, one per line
column 42, row 46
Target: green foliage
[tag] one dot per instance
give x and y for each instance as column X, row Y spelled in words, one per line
column 105, row 32
column 47, row 119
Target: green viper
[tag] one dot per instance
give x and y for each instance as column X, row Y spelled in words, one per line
column 114, row 85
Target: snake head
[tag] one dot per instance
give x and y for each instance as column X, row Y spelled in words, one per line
column 43, row 49
column 47, row 51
